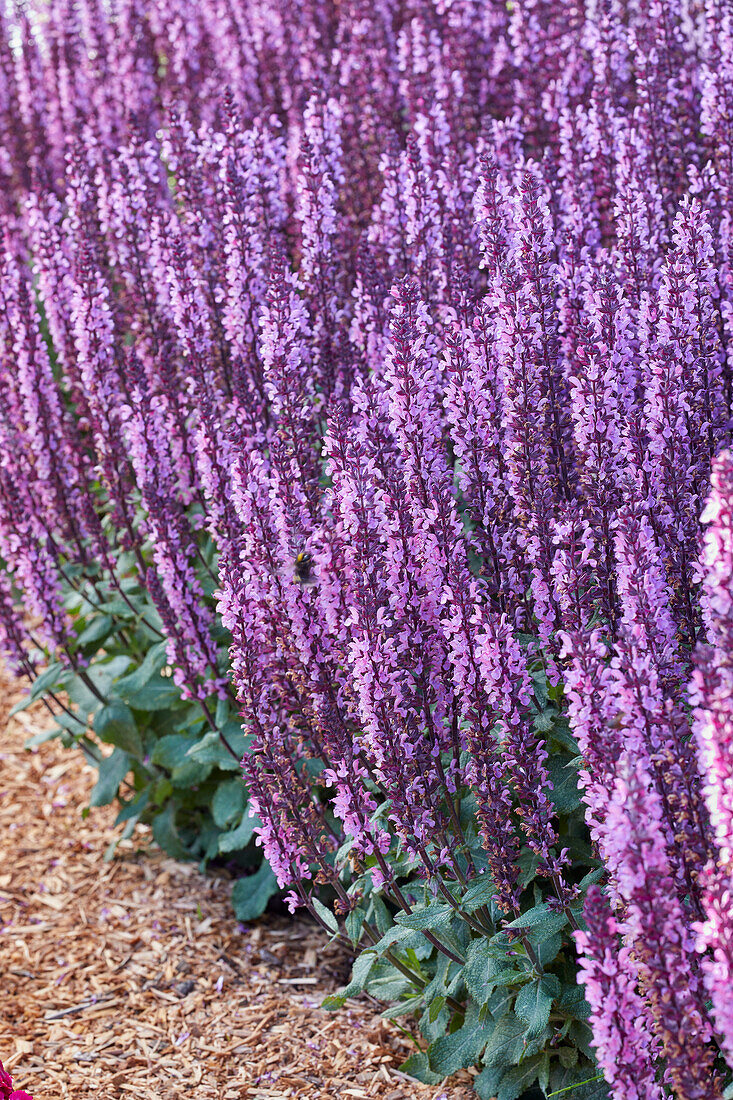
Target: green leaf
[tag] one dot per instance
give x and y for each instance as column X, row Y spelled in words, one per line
column 429, row 918
column 540, row 923
column 97, row 630
column 406, row 937
column 481, row 892
column 355, row 925
column 112, row 770
column 190, row 774
column 548, row 950
column 127, row 832
column 117, row 606
column 251, row 895
column 239, row 838
column 486, row 1085
column 418, row 1066
column 581, row 1034
column 131, row 810
column 56, row 675
column 565, row 794
column 408, row 1007
column 326, row 915
column 462, row 1048
column 543, row 722
column 582, row 1082
column 479, row 963
column 572, row 1000
column 115, row 724
column 210, row 750
column 145, row 688
column 165, row 833
column 592, row 877
column 43, row 737
column 568, row 1056
column 540, row 689
column 518, row 1079
column 500, row 1002
column 506, row 1042
column 228, row 802
column 534, row 1002
column 162, row 791
column 382, row 915
column 171, row 751
column 360, row 972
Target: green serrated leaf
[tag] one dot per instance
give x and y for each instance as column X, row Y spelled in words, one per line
column 572, row 1000
column 382, row 915
column 228, row 802
column 518, row 1079
column 408, row 1007
column 326, row 915
column 581, row 1034
column 540, row 688
column 429, row 918
column 565, row 795
column 355, row 925
column 210, row 750
column 56, row 675
column 480, row 961
column 165, row 833
column 251, row 894
column 115, row 724
column 548, row 950
column 171, row 751
column 478, row 893
column 240, row 837
column 534, row 1002
column 418, row 1066
column 543, row 721
column 462, row 1048
column 405, row 937
column 540, row 923
column 145, row 688
column 500, row 1002
column 112, row 770
column 568, row 1056
column 486, row 1085
column 97, row 630
column 580, row 1082
column 360, row 972
column 506, row 1043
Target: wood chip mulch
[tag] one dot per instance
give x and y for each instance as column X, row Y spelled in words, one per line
column 131, row 978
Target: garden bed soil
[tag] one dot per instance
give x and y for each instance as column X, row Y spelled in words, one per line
column 132, row 977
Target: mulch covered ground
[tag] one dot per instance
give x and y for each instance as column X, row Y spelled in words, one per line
column 132, row 978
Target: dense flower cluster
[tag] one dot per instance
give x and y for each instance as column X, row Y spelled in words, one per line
column 7, row 1092
column 423, row 312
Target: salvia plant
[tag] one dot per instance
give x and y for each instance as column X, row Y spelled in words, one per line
column 366, row 375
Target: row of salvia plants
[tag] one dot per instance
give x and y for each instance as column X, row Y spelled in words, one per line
column 366, row 371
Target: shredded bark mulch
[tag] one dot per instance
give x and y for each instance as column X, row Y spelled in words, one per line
column 132, row 977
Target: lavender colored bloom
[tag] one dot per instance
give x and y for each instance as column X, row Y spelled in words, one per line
column 409, row 327
column 610, row 975
column 711, row 696
column 634, row 847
